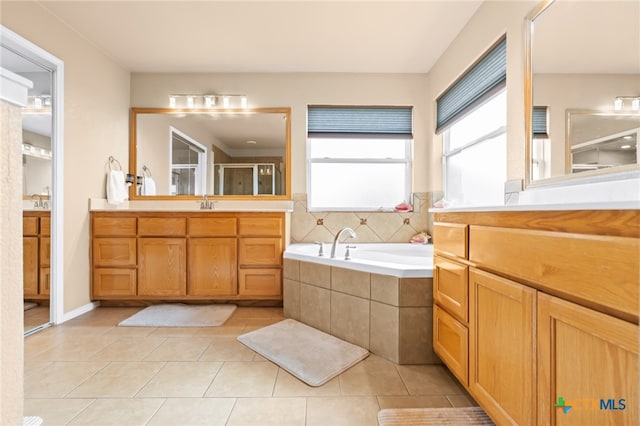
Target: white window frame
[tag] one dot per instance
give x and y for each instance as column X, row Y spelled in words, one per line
column 201, row 169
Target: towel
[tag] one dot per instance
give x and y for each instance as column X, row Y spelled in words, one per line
column 148, row 186
column 116, row 188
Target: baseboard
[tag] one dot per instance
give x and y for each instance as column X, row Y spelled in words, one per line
column 79, row 311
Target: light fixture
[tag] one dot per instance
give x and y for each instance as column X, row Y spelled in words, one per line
column 36, row 151
column 172, row 101
column 225, row 101
column 619, row 102
column 207, row 101
column 38, row 104
column 190, row 101
column 243, row 101
column 625, row 147
column 627, row 137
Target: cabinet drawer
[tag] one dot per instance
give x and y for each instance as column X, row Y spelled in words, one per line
column 105, row 226
column 45, row 225
column 451, row 343
column 113, row 282
column 451, row 238
column 212, row 227
column 260, row 251
column 260, row 282
column 451, row 287
column 114, row 251
column 262, row 226
column 162, row 226
column 29, row 225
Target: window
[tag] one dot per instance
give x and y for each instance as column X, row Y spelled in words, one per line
column 359, row 158
column 188, row 164
column 472, row 113
column 540, row 149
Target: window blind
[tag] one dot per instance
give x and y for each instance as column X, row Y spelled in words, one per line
column 341, row 120
column 539, row 122
column 488, row 74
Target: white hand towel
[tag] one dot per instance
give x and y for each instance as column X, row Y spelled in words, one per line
column 148, row 186
column 116, row 188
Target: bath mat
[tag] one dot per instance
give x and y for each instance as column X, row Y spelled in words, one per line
column 311, row 355
column 433, row 416
column 180, row 315
column 29, row 305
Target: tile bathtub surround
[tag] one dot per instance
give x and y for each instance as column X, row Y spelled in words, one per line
column 66, row 386
column 389, row 316
column 370, row 227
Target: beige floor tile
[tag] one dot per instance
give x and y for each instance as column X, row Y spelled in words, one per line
column 289, row 385
column 106, row 315
column 77, row 348
column 55, row 411
column 253, row 322
column 244, row 379
column 179, row 349
column 268, row 411
column 463, row 400
column 178, row 331
column 32, row 365
column 373, row 376
column 222, row 331
column 130, row 331
column 118, row 412
column 59, row 378
column 257, row 312
column 227, row 349
column 129, row 349
column 428, row 380
column 355, row 410
column 181, row 379
column 193, row 412
column 438, row 401
column 117, row 380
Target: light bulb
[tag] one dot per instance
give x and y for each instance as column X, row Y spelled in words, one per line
column 172, row 101
column 617, row 104
column 635, row 104
column 190, row 101
column 225, row 102
column 37, row 103
column 243, row 102
column 208, row 101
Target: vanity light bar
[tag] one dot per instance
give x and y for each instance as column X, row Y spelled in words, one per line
column 618, row 103
column 207, row 101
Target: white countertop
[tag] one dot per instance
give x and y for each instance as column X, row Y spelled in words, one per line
column 100, row 204
column 620, row 205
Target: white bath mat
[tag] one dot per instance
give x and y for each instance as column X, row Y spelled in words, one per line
column 29, row 305
column 311, row 355
column 433, row 416
column 180, row 315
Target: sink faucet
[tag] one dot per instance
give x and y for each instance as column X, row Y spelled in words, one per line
column 336, row 240
column 38, row 202
column 206, row 204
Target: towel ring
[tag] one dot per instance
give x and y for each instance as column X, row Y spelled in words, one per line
column 113, row 160
column 146, row 171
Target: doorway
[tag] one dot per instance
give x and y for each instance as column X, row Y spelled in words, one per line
column 42, row 160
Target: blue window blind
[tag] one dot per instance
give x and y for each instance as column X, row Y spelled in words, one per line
column 539, row 122
column 343, row 120
column 478, row 82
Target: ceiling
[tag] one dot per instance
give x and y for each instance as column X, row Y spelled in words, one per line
column 269, row 36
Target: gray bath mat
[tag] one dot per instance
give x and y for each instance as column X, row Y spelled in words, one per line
column 180, row 315
column 311, row 355
column 29, row 305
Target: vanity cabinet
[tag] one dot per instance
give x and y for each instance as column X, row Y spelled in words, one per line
column 187, row 255
column 36, row 254
column 553, row 300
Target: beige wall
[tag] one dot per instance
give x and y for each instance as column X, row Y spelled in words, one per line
column 11, row 313
column 491, row 21
column 297, row 91
column 96, row 103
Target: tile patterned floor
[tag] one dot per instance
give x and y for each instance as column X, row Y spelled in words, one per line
column 89, row 371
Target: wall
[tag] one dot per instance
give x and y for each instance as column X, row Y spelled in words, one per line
column 491, row 21
column 96, row 121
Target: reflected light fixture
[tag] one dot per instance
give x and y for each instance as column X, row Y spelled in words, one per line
column 225, row 101
column 190, row 101
column 207, row 101
column 619, row 102
column 172, row 101
column 243, row 101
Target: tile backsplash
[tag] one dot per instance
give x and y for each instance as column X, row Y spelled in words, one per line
column 370, row 227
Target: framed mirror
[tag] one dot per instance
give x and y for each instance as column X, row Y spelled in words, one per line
column 230, row 153
column 582, row 89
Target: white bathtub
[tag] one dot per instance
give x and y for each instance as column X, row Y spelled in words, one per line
column 402, row 260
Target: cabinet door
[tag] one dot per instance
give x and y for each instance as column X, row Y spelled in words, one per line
column 588, row 361
column 260, row 282
column 45, row 251
column 45, row 281
column 451, row 343
column 30, row 265
column 212, row 267
column 162, row 267
column 502, row 349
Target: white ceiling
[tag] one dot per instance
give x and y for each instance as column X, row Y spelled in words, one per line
column 269, row 36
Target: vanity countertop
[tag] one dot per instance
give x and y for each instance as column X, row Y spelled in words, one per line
column 100, row 204
column 619, row 205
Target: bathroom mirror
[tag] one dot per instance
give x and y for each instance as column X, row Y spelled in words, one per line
column 230, row 153
column 580, row 58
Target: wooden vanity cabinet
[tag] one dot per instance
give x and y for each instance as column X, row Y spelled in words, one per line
column 184, row 256
column 552, row 312
column 36, row 254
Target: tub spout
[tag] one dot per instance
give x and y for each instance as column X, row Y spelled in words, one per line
column 336, row 240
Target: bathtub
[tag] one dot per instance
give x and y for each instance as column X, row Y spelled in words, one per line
column 401, row 260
